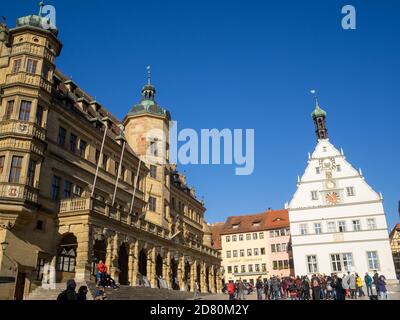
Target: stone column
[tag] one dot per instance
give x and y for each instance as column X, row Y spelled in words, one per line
column 131, row 263
column 167, row 270
column 135, row 265
column 181, row 272
column 219, row 280
column 114, row 258
column 83, row 254
column 193, row 275
column 203, row 286
column 149, row 267
column 109, row 250
column 153, row 279
column 211, row 279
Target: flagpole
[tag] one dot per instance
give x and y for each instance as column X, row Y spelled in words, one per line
column 119, row 172
column 98, row 162
column 134, row 187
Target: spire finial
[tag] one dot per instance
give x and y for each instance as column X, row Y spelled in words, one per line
column 148, row 74
column 41, row 5
column 314, row 93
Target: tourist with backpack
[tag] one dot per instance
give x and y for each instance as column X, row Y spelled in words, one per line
column 368, row 283
column 259, row 287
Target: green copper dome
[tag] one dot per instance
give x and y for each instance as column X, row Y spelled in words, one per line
column 318, row 112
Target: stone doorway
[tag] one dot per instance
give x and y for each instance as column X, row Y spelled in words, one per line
column 99, row 254
column 187, row 276
column 174, row 274
column 143, row 263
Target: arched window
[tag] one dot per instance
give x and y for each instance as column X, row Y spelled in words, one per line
column 66, row 257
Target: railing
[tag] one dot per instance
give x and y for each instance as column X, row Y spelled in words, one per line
column 18, row 192
column 76, row 205
column 27, row 78
column 14, row 126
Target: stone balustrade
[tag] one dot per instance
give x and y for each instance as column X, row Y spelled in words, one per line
column 18, row 192
column 26, row 128
column 27, row 78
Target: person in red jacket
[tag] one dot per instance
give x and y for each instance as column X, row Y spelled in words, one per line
column 231, row 290
column 101, row 273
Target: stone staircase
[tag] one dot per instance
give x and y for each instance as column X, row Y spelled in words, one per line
column 41, row 293
column 122, row 293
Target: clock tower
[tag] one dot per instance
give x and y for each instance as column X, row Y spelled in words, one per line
column 337, row 221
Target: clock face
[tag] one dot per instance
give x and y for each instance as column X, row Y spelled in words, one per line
column 332, row 198
column 327, row 164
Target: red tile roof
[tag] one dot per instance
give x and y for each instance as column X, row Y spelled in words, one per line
column 268, row 220
column 216, row 229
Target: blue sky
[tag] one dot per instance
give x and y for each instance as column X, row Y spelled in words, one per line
column 247, row 64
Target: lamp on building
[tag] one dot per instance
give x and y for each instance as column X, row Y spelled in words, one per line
column 4, row 246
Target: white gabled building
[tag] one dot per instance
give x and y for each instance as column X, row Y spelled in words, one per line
column 337, row 221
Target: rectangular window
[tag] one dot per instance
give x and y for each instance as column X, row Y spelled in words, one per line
column 314, row 195
column 250, row 267
column 235, row 269
column 282, row 232
column 116, row 166
column 317, row 170
column 62, row 132
column 235, row 253
column 228, row 254
column 15, row 172
column 153, row 171
column 242, row 268
column 254, row 236
column 338, row 168
column 271, row 234
column 229, row 269
column 257, row 267
column 356, row 225
column 285, row 264
column 24, row 111
column 153, row 148
column 242, row 252
column 249, row 252
column 16, row 66
column 256, row 251
column 9, row 110
column 371, row 224
column 264, row 267
column 31, row 66
column 262, row 250
column 77, row 191
column 303, row 229
column 55, row 188
column 248, row 236
column 317, row 228
column 39, row 115
column 347, row 259
column 228, row 238
column 278, row 247
column 350, row 191
column 373, row 263
column 240, row 237
column 72, row 142
column 31, row 172
column 275, row 265
column 152, row 204
column 283, row 247
column 82, row 148
column 261, row 235
column 312, row 265
column 234, row 238
column 97, row 156
column 331, row 226
column 2, row 158
column 104, row 164
column 336, row 263
column 342, row 226
column 273, row 248
column 67, row 189
column 277, row 233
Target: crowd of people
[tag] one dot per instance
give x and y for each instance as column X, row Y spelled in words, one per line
column 315, row 287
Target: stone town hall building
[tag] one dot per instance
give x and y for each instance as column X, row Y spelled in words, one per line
column 60, row 154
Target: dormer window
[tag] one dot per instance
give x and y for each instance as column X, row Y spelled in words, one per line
column 324, row 149
column 235, row 226
column 256, row 223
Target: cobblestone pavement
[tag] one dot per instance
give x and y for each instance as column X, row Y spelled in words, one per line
column 393, row 294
